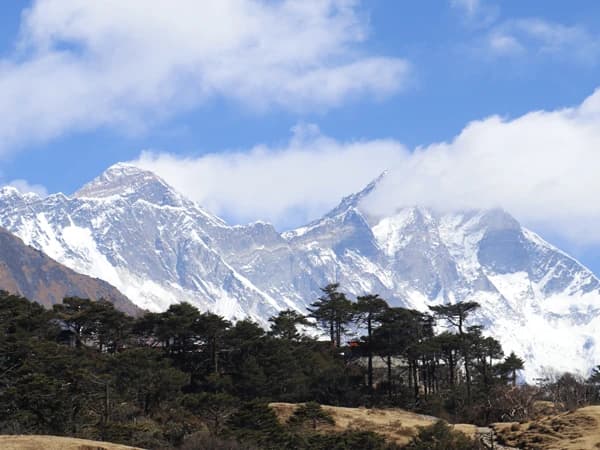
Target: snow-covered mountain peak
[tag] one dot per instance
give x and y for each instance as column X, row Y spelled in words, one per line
column 496, row 219
column 394, row 232
column 347, row 210
column 354, row 200
column 128, row 181
column 133, row 230
column 10, row 194
column 9, row 191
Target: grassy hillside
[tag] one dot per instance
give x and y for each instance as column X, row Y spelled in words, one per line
column 395, row 424
column 55, row 443
column 577, row 430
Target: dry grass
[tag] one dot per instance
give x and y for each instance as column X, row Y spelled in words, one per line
column 578, row 430
column 55, row 443
column 396, row 424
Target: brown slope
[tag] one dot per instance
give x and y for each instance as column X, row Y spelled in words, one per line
column 397, row 425
column 30, row 273
column 574, row 430
column 56, row 443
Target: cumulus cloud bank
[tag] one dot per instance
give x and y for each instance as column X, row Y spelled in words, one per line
column 286, row 185
column 84, row 64
column 543, row 167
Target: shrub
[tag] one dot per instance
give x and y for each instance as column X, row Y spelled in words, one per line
column 440, row 436
column 310, row 413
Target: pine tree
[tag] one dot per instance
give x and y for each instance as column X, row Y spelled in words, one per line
column 285, row 325
column 370, row 310
column 211, row 329
column 450, row 350
column 440, row 436
column 332, row 311
column 311, row 413
column 511, row 364
column 456, row 315
column 402, row 334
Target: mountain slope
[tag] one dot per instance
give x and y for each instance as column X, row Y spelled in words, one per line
column 32, row 274
column 131, row 229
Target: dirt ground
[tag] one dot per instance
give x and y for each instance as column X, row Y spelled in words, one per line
column 55, row 443
column 396, row 424
column 577, row 430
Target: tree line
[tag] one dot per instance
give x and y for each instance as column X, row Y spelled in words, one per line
column 458, row 366
column 85, row 369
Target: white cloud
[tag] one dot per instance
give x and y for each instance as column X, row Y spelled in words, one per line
column 542, row 167
column 25, row 187
column 535, row 37
column 286, row 185
column 81, row 65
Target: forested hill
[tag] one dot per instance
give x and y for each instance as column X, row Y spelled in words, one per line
column 85, row 369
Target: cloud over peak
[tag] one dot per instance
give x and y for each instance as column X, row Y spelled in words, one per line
column 542, row 167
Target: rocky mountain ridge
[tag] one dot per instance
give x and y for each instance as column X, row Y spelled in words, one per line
column 133, row 230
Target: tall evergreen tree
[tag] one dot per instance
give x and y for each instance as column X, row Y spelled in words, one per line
column 449, row 345
column 211, row 329
column 400, row 334
column 456, row 315
column 370, row 310
column 332, row 311
column 511, row 365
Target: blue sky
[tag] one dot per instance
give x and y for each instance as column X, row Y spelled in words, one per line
column 220, row 99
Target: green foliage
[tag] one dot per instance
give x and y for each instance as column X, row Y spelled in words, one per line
column 512, row 364
column 20, row 318
column 440, row 436
column 455, row 314
column 204, row 441
column 145, row 378
column 255, row 422
column 333, row 311
column 285, row 325
column 370, row 309
column 351, row 439
column 214, row 409
column 85, row 369
column 311, row 414
column 143, row 434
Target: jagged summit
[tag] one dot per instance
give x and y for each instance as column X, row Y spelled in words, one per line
column 128, row 180
column 9, row 190
column 353, row 200
column 347, row 207
column 12, row 191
